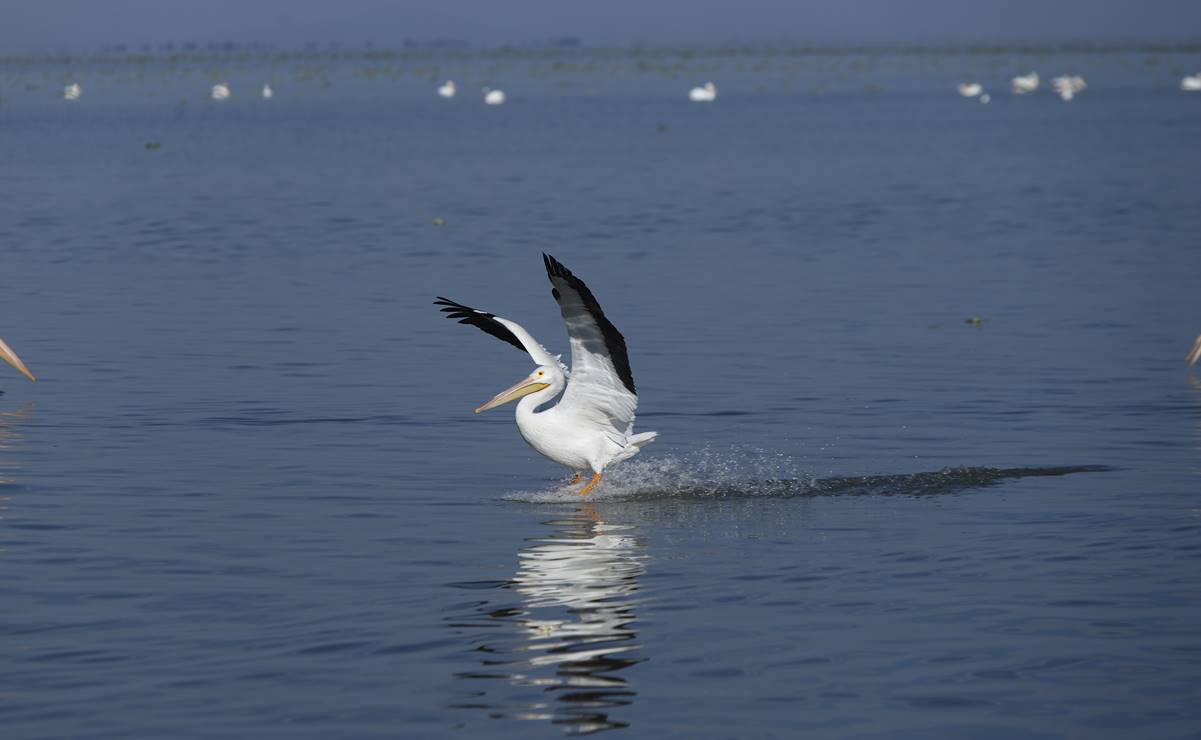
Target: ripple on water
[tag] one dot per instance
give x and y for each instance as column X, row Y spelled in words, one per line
column 716, row 476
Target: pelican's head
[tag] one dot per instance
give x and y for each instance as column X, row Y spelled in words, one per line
column 542, row 378
column 7, row 354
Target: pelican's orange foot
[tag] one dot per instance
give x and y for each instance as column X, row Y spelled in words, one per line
column 591, row 484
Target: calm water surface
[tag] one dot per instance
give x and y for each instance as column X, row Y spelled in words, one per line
column 248, row 497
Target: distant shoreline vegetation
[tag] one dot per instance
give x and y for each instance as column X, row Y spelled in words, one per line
column 410, row 49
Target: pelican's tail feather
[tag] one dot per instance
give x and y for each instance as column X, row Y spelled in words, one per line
column 643, row 439
column 635, row 443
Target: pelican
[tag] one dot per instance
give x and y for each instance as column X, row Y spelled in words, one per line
column 970, row 89
column 7, row 354
column 1192, row 83
column 706, row 93
column 1192, row 357
column 592, row 425
column 268, row 93
column 220, row 92
column 1066, row 86
column 1023, row 84
column 448, row 89
column 494, row 97
column 72, row 91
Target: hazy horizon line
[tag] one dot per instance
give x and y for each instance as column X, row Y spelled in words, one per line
column 367, row 49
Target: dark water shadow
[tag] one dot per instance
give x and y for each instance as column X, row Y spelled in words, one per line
column 656, row 483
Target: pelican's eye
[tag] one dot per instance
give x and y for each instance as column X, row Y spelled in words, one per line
column 540, row 373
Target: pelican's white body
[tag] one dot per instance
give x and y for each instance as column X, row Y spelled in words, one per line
column 220, row 92
column 72, row 91
column 1023, row 84
column 706, row 93
column 268, row 93
column 570, row 438
column 970, row 89
column 592, row 425
column 494, row 97
column 448, row 89
column 1191, row 83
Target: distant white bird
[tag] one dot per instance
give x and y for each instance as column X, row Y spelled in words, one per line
column 220, row 92
column 448, row 89
column 1191, row 83
column 1023, row 84
column 1066, row 86
column 72, row 91
column 268, row 93
column 985, row 99
column 706, row 93
column 494, row 97
column 970, row 89
column 592, row 425
column 7, row 354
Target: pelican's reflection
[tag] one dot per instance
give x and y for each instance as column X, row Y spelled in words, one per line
column 575, row 635
column 10, row 442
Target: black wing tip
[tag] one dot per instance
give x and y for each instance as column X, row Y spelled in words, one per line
column 555, row 268
column 480, row 319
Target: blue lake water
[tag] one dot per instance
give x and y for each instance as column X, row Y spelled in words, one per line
column 248, row 497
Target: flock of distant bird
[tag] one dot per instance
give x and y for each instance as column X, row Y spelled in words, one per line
column 1065, row 86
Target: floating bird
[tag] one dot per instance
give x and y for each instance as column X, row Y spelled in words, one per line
column 494, row 97
column 220, row 92
column 1191, row 83
column 7, row 354
column 592, row 425
column 1066, row 86
column 1195, row 353
column 448, row 89
column 970, row 89
column 985, row 99
column 268, row 93
column 72, row 91
column 706, row 93
column 1023, row 84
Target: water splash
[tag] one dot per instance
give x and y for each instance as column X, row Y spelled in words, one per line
column 739, row 474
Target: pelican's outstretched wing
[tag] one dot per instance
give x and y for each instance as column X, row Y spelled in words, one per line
column 503, row 329
column 1195, row 353
column 601, row 380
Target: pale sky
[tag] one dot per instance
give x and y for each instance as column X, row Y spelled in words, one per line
column 82, row 25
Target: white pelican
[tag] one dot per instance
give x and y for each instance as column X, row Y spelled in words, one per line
column 706, row 93
column 72, row 91
column 1066, row 86
column 1023, row 84
column 220, row 92
column 1191, row 358
column 1192, row 83
column 268, row 93
column 7, row 354
column 592, row 425
column 448, row 89
column 970, row 89
column 494, row 97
